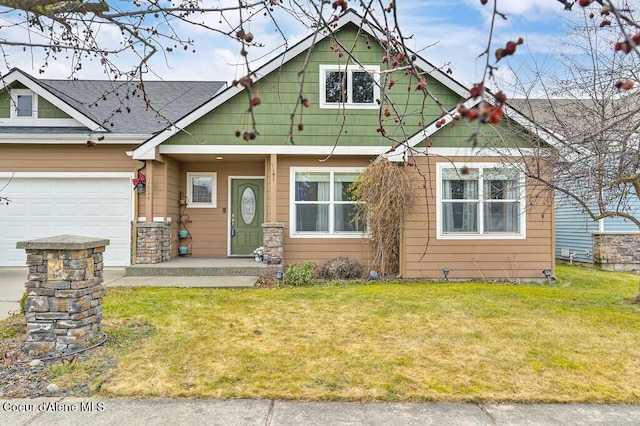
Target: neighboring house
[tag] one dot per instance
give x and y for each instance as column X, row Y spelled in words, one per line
column 575, row 229
column 478, row 224
column 577, row 235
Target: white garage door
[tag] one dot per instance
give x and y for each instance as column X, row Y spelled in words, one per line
column 44, row 205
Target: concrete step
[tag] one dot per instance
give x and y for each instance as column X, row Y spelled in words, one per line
column 207, row 281
column 191, row 271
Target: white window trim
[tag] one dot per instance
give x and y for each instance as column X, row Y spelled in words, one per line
column 478, row 236
column 14, row 104
column 374, row 70
column 214, row 190
column 292, row 203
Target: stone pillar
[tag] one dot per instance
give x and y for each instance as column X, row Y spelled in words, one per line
column 616, row 251
column 153, row 242
column 272, row 241
column 63, row 308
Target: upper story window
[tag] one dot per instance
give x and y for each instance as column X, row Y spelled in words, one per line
column 24, row 104
column 349, row 86
column 480, row 201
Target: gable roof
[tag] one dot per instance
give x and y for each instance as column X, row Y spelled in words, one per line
column 146, row 151
column 93, row 103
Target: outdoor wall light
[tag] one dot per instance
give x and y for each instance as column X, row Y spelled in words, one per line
column 140, row 183
column 445, row 272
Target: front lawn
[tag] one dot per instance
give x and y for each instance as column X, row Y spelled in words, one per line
column 575, row 339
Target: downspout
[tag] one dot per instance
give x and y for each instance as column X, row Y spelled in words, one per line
column 134, row 227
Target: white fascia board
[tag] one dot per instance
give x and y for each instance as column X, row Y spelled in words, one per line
column 63, row 139
column 449, row 153
column 271, row 149
column 344, row 150
column 102, row 175
column 441, row 77
column 41, row 91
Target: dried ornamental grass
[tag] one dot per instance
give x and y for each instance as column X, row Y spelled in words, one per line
column 388, row 194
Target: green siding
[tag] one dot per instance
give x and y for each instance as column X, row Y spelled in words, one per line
column 5, row 104
column 279, row 93
column 459, row 133
column 47, row 110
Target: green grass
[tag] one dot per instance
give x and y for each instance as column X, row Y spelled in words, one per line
column 574, row 340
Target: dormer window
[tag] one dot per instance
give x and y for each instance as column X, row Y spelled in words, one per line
column 24, row 104
column 350, row 86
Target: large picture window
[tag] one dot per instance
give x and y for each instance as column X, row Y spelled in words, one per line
column 349, row 86
column 322, row 203
column 201, row 189
column 481, row 200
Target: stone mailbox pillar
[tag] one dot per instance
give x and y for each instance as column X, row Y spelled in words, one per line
column 63, row 308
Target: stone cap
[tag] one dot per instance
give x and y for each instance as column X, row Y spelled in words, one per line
column 615, row 232
column 63, row 242
column 273, row 225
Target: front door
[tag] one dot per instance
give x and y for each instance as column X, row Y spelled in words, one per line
column 247, row 215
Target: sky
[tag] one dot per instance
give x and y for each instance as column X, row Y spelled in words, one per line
column 444, row 32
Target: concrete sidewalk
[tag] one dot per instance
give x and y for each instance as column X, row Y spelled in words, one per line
column 192, row 412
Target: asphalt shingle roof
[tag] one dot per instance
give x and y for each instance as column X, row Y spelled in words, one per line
column 122, row 108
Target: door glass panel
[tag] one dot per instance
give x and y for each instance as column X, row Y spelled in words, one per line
column 248, row 206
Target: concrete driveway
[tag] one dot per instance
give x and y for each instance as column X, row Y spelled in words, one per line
column 12, row 286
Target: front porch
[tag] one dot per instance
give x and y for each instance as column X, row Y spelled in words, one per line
column 193, row 266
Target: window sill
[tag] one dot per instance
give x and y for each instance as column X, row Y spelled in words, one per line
column 463, row 236
column 348, row 106
column 324, row 235
column 201, row 206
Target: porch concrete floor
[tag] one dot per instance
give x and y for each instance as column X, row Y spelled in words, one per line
column 190, row 267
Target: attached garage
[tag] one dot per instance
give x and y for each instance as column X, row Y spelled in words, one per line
column 47, row 204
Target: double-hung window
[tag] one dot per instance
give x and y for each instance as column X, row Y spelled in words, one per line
column 480, row 201
column 322, row 203
column 349, row 86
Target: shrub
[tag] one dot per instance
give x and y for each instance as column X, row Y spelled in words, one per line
column 341, row 268
column 23, row 301
column 388, row 193
column 299, row 274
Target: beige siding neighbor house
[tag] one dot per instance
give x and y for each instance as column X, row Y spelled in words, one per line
column 202, row 191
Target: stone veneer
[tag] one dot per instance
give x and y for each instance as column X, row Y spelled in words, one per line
column 64, row 286
column 616, row 251
column 273, row 240
column 153, row 242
